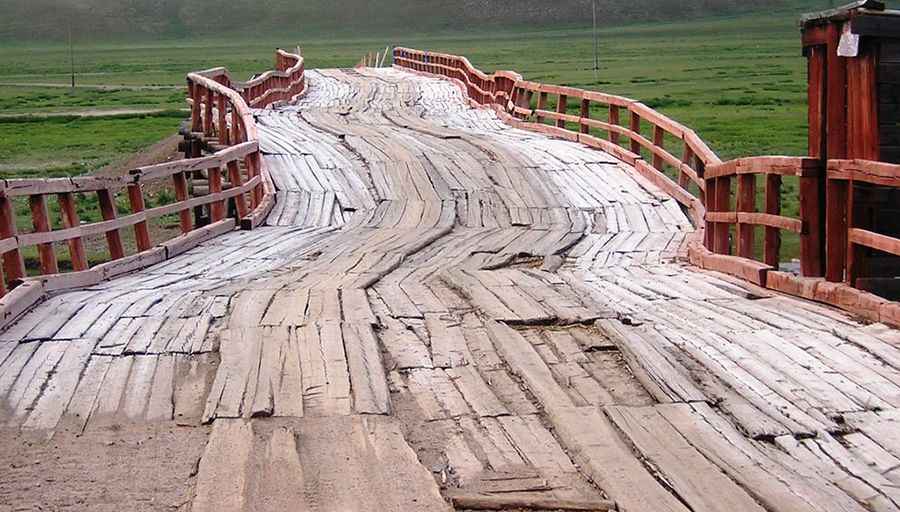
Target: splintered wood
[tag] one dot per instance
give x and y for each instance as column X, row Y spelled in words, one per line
column 492, row 317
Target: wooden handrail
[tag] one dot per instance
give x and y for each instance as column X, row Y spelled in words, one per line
column 222, row 117
column 703, row 183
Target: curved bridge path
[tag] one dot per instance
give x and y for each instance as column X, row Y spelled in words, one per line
column 443, row 307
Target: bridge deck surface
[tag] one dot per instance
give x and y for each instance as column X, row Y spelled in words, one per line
column 441, row 304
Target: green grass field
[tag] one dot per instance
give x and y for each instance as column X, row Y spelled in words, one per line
column 739, row 82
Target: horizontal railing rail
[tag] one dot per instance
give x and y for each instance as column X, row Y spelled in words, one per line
column 728, row 201
column 231, row 187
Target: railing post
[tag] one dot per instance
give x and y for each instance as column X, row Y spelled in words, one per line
column 811, row 203
column 614, row 120
column 194, row 91
column 722, row 242
column 710, row 204
column 687, row 156
column 635, row 126
column 216, row 208
column 541, row 105
column 746, row 203
column 234, row 174
column 658, row 141
column 181, row 194
column 141, row 230
column 224, row 136
column 13, row 265
column 235, row 127
column 70, row 220
column 562, row 105
column 208, row 113
column 772, row 250
column 585, row 114
column 108, row 212
column 40, row 219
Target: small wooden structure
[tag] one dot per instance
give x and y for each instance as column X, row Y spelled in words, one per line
column 853, row 54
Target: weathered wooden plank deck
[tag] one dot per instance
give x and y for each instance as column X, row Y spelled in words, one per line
column 444, row 304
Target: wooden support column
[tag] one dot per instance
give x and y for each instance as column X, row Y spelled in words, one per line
column 585, row 114
column 181, row 195
column 772, row 250
column 635, row 126
column 614, row 120
column 836, row 229
column 234, row 175
column 561, row 106
column 141, row 230
column 70, row 220
column 108, row 211
column 812, row 254
column 40, row 219
column 746, row 203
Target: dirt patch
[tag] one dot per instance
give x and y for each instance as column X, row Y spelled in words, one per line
column 105, row 469
column 165, row 150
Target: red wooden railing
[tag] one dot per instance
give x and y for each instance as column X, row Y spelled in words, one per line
column 222, row 120
column 725, row 199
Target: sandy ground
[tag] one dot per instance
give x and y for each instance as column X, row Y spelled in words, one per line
column 115, row 468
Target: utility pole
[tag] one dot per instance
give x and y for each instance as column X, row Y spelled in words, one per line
column 596, row 39
column 71, row 55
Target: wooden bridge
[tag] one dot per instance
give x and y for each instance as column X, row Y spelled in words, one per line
column 423, row 287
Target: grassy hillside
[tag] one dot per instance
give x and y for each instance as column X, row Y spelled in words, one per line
column 739, row 81
column 44, row 20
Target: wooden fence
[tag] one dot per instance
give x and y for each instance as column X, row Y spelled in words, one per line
column 236, row 191
column 728, row 201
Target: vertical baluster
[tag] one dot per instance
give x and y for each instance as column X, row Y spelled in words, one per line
column 854, row 252
column 109, row 212
column 746, row 203
column 70, row 220
column 141, row 230
column 773, row 207
column 40, row 219
column 234, row 174
column 181, row 194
